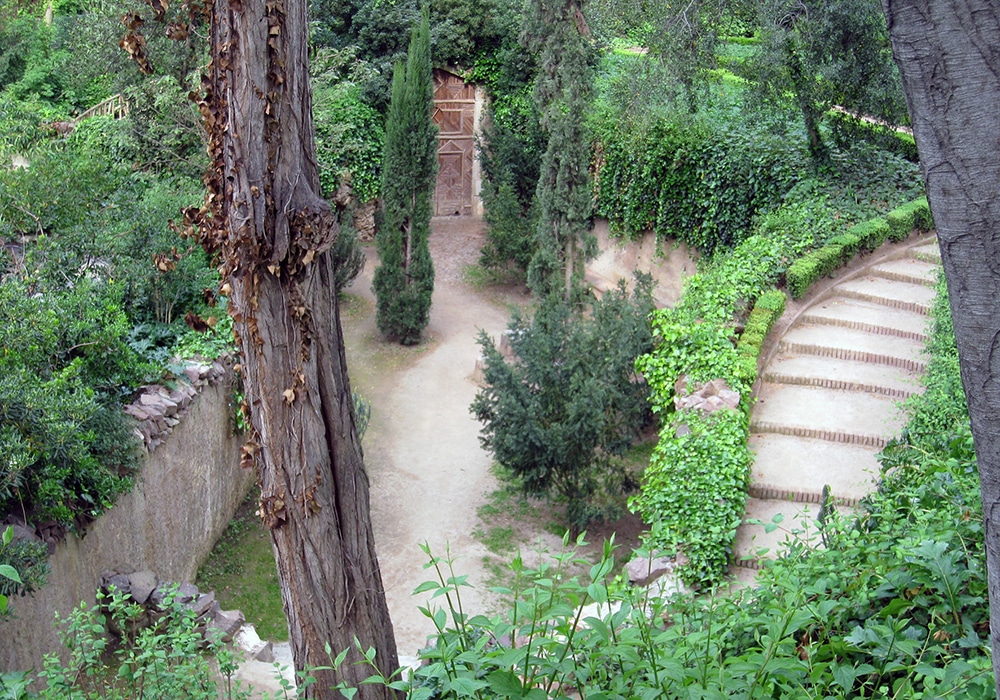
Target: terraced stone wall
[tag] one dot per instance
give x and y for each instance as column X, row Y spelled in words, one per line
column 189, row 487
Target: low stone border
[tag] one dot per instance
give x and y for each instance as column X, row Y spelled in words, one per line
column 159, row 408
column 145, row 589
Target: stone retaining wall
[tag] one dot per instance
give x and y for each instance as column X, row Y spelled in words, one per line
column 184, row 496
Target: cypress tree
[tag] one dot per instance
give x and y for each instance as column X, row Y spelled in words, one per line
column 404, row 281
column 558, row 31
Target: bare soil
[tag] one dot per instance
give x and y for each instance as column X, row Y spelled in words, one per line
column 428, row 472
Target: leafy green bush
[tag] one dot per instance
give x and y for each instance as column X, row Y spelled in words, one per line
column 68, row 448
column 694, row 491
column 24, row 568
column 566, row 407
column 510, row 153
column 696, row 339
column 165, row 132
column 904, row 219
column 89, row 311
column 349, row 133
column 118, row 652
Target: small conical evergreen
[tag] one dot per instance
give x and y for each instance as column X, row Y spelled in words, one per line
column 558, row 31
column 404, row 280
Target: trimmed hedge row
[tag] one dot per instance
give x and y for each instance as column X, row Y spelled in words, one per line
column 695, row 339
column 697, row 478
column 768, row 309
column 862, row 238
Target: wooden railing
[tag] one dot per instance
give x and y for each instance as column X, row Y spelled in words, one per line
column 114, row 106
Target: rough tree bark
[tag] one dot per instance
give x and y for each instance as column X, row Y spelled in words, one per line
column 272, row 231
column 948, row 52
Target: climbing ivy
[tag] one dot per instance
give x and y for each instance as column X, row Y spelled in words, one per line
column 695, row 179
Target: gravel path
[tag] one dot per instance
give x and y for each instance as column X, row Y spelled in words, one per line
column 429, row 474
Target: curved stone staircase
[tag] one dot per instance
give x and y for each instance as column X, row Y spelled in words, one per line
column 829, row 395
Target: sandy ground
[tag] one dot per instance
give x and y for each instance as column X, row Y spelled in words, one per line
column 428, row 472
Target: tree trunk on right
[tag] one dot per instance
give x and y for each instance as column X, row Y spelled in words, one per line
column 948, row 53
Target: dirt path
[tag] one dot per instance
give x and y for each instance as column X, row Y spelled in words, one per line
column 428, row 472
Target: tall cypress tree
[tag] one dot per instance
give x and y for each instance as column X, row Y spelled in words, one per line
column 558, row 31
column 404, row 280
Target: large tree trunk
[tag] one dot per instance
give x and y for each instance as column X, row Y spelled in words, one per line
column 272, row 231
column 947, row 51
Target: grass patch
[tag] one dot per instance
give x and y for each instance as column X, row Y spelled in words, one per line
column 510, row 522
column 242, row 572
column 482, row 279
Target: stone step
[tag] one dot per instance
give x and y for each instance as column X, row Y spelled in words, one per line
column 856, row 345
column 908, row 269
column 869, row 317
column 785, row 465
column 847, row 375
column 896, row 295
column 798, row 522
column 929, row 252
column 851, row 418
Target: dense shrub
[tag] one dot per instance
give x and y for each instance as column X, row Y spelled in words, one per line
column 92, row 301
column 68, row 448
column 349, row 133
column 566, row 406
column 165, row 133
column 812, row 266
column 860, row 238
column 695, row 179
column 848, row 128
column 694, row 491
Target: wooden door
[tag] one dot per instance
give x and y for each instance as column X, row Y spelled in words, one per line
column 454, row 113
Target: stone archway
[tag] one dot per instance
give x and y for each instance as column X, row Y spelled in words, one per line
column 458, row 108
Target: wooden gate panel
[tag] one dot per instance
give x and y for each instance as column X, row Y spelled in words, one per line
column 455, row 115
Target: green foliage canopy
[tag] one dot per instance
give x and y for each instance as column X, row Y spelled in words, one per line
column 557, row 31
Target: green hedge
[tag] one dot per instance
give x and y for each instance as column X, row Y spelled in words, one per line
column 768, row 309
column 695, row 180
column 865, row 237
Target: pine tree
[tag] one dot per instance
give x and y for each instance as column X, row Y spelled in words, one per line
column 404, row 280
column 565, row 188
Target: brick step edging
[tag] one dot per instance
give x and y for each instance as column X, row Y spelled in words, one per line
column 838, row 384
column 872, row 328
column 872, row 441
column 914, row 306
column 872, row 358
